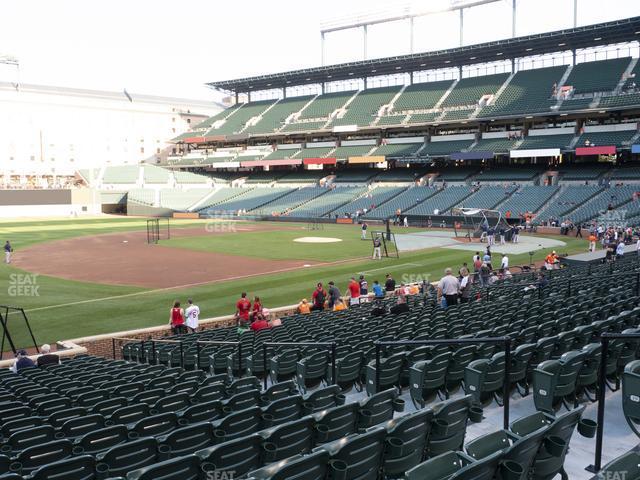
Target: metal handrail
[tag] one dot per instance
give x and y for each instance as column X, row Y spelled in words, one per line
column 460, row 341
column 602, row 378
column 332, row 345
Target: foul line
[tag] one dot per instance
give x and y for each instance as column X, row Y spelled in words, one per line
column 188, row 285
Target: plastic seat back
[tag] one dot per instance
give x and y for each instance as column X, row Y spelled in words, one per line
column 240, row 456
column 181, row 468
column 186, row 440
column 307, row 467
column 335, row 423
column 288, row 439
column 100, row 440
column 76, row 468
column 119, row 460
column 406, row 441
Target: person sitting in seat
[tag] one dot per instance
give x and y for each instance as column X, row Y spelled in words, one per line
column 47, row 358
column 22, row 362
column 303, row 307
column 401, row 302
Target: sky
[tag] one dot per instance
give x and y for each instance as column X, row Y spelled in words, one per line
column 172, row 48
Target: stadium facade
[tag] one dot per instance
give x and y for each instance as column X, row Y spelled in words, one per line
column 51, row 132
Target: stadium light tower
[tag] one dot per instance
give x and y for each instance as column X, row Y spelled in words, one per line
column 407, row 12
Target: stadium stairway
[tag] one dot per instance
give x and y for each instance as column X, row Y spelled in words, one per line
column 446, row 94
column 295, row 115
column 497, row 95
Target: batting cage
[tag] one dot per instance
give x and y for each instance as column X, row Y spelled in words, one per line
column 158, row 229
column 386, row 241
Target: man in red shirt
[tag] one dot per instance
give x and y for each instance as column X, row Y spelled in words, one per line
column 243, row 306
column 354, row 291
column 319, row 296
column 260, row 324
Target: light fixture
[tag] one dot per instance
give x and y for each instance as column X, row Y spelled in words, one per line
column 398, row 67
column 472, row 58
column 498, row 54
column 561, row 44
column 529, row 49
column 563, row 114
column 529, row 116
column 423, row 64
column 597, row 38
column 447, row 61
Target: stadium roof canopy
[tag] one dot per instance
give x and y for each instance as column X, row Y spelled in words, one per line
column 618, row 31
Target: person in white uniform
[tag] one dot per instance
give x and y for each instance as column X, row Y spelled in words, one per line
column 192, row 316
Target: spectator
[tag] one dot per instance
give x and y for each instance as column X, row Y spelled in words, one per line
column 259, row 323
column 334, row 295
column 448, row 288
column 485, row 271
column 46, row 357
column 465, row 286
column 390, row 283
column 22, row 362
column 620, row 251
column 364, row 286
column 339, row 305
column 401, row 303
column 257, row 307
column 192, row 316
column 243, row 307
column 378, row 292
column 176, row 319
column 303, row 307
column 354, row 292
column 319, row 297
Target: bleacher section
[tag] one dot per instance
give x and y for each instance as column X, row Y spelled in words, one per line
column 455, row 174
column 529, row 198
column 282, row 205
column 441, row 201
column 344, row 152
column 355, row 175
column 282, row 154
column 325, row 105
column 303, row 126
column 400, row 175
column 626, row 173
column 189, row 178
column 180, row 200
column 125, row 174
column 334, row 199
column 561, row 141
column 421, row 96
column 372, row 199
column 403, row 201
column 237, row 122
column 498, row 145
column 250, row 200
column 364, row 108
column 598, row 139
column 423, row 117
column 488, row 197
column 221, row 195
column 598, row 76
column 583, row 172
column 142, row 196
column 529, row 91
column 274, row 119
column 611, row 197
column 153, row 174
column 468, row 91
column 443, row 148
column 571, row 198
column 508, row 174
column 317, row 152
column 304, row 176
column 398, row 150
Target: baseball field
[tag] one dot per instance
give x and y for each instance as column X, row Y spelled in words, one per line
column 82, row 277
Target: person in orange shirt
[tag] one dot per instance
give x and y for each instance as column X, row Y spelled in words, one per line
column 592, row 242
column 303, row 307
column 339, row 306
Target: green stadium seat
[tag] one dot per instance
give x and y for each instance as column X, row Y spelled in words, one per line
column 288, row 439
column 427, row 379
column 627, row 465
column 310, row 370
column 78, row 468
column 119, row 460
column 100, row 440
column 237, row 424
column 335, row 423
column 181, row 468
column 449, row 425
column 240, row 456
column 406, row 442
column 357, row 456
column 283, row 410
column 314, row 466
column 347, row 370
column 631, row 395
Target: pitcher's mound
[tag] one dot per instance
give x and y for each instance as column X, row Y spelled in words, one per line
column 317, row 240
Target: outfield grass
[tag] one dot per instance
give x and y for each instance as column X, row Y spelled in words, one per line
column 66, row 309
